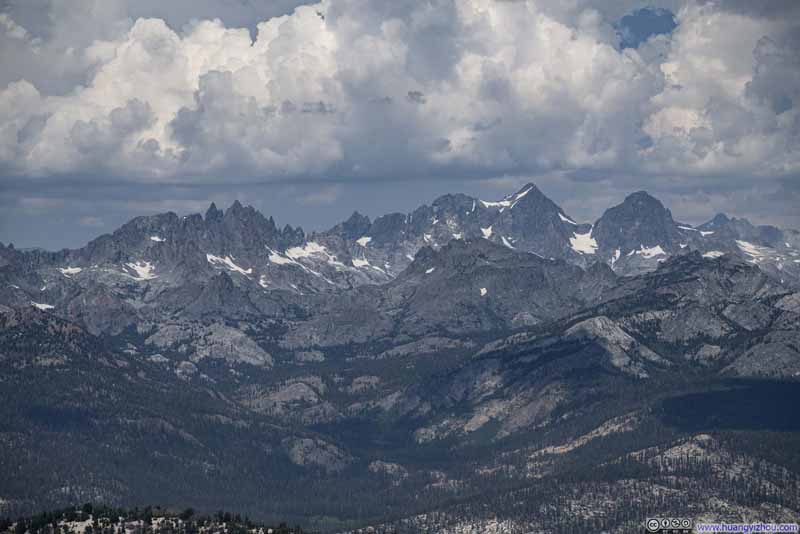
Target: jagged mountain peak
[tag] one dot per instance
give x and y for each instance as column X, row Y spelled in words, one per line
column 723, row 227
column 145, row 225
column 358, row 218
column 355, row 227
column 641, row 204
column 527, row 187
column 450, row 198
column 238, row 213
column 720, row 219
column 529, row 193
column 530, row 189
column 639, row 222
column 213, row 214
column 238, row 209
column 641, row 197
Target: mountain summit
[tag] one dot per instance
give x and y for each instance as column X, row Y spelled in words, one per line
column 640, row 222
column 419, row 359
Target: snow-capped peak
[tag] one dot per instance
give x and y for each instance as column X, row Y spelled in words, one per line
column 509, row 202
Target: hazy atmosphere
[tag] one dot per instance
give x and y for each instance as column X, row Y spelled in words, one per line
column 115, row 108
column 399, row 266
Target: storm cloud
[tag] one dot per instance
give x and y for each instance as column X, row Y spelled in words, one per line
column 236, row 93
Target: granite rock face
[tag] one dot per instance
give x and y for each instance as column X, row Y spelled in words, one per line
column 430, row 354
column 317, row 453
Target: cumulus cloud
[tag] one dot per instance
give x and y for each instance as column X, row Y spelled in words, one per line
column 710, row 118
column 354, row 89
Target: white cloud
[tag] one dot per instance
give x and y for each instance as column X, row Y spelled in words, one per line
column 351, row 88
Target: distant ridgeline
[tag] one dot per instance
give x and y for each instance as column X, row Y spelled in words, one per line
column 95, row 519
column 471, row 366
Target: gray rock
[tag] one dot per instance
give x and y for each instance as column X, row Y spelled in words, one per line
column 313, row 452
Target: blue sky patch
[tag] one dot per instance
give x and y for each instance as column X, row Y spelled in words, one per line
column 637, row 27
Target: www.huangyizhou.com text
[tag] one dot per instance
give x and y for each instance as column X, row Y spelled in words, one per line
column 746, row 527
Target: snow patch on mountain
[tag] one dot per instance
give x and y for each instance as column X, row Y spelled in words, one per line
column 43, row 307
column 144, row 270
column 357, row 262
column 157, row 239
column 69, row 271
column 509, row 202
column 702, row 233
column 754, row 251
column 713, row 254
column 650, row 252
column 484, row 291
column 566, row 219
column 506, row 242
column 429, row 271
column 311, row 250
column 279, row 259
column 615, row 257
column 227, row 262
column 498, row 204
column 363, row 241
column 487, row 232
column 583, row 243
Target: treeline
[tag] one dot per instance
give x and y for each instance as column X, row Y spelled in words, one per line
column 101, row 519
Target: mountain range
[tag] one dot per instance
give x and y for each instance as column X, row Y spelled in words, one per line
column 472, row 364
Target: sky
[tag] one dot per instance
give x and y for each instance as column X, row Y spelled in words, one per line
column 111, row 109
